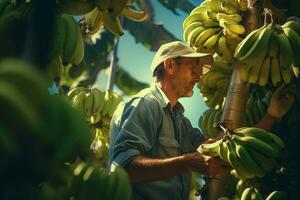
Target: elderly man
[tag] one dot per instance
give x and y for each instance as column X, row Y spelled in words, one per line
column 150, row 136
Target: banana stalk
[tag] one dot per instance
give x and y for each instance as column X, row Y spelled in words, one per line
column 235, row 104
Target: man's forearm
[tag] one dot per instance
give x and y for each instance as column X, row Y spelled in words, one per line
column 267, row 122
column 147, row 169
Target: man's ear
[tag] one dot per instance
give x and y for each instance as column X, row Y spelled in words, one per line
column 168, row 65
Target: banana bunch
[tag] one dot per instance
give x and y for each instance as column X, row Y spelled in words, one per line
column 251, row 193
column 213, row 87
column 107, row 13
column 91, row 181
column 256, row 107
column 207, row 121
column 94, row 103
column 268, row 54
column 250, row 151
column 214, row 26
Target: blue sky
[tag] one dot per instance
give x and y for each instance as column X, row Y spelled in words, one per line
column 137, row 59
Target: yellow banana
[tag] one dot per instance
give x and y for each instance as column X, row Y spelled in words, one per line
column 223, row 49
column 204, row 35
column 210, row 149
column 213, row 5
column 233, row 17
column 194, row 17
column 191, row 39
column 212, row 15
column 211, row 41
column 264, row 71
column 243, row 5
column 275, row 71
column 113, row 24
column 138, row 16
column 232, row 26
column 210, row 24
column 228, row 8
column 189, row 29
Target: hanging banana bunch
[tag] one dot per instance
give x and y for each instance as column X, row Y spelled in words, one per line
column 270, row 53
column 251, row 152
column 107, row 13
column 214, row 26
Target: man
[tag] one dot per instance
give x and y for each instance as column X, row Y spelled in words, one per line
column 151, row 138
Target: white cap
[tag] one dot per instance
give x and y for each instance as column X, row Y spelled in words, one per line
column 172, row 50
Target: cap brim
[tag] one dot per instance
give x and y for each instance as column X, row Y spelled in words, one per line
column 195, row 55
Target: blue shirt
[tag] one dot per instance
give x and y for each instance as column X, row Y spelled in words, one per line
column 147, row 125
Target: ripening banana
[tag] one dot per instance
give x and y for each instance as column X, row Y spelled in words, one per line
column 211, row 41
column 194, row 17
column 223, row 49
column 243, row 5
column 113, row 24
column 191, row 39
column 275, row 71
column 264, row 71
column 210, row 24
column 210, row 149
column 189, row 29
column 232, row 26
column 228, row 8
column 212, row 15
column 204, row 35
column 135, row 15
column 232, row 17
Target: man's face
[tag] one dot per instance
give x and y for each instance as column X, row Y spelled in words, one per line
column 187, row 73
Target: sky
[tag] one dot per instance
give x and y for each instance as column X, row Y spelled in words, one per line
column 136, row 59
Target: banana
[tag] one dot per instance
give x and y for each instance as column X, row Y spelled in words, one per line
column 211, row 130
column 244, row 46
column 204, row 35
column 99, row 100
column 258, row 145
column 111, row 186
column 232, row 17
column 55, row 68
column 113, row 24
column 76, row 7
column 248, row 160
column 277, row 195
column 265, row 162
column 71, row 38
column 243, row 5
column 138, row 16
column 285, row 51
column 286, row 75
column 232, row 26
column 224, row 51
column 234, row 3
column 78, row 101
column 247, row 194
column 204, row 123
column 223, row 151
column 228, row 8
column 213, row 5
column 210, row 149
column 259, row 48
column 191, row 39
column 79, row 49
column 264, row 71
column 102, row 4
column 275, row 71
column 93, row 21
column 190, row 28
column 295, row 25
column 194, row 17
column 74, row 91
column 273, row 47
column 58, row 38
column 212, row 15
column 236, row 163
column 116, row 99
column 254, row 72
column 210, row 24
column 116, row 7
column 294, row 39
column 211, row 41
column 89, row 104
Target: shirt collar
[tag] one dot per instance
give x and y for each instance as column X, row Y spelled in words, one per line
column 163, row 99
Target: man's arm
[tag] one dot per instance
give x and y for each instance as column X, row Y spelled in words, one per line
column 148, row 169
column 281, row 101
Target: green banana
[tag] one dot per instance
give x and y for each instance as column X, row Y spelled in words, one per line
column 116, row 7
column 277, row 195
column 285, row 50
column 123, row 188
column 194, row 17
column 294, row 39
column 113, row 24
column 204, row 35
column 223, row 151
column 258, row 145
column 295, row 25
column 211, row 132
column 191, row 37
column 247, row 159
column 210, row 149
column 76, row 7
column 224, row 51
column 273, row 47
column 264, row 71
column 211, row 41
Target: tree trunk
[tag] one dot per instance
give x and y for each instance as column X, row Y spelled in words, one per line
column 235, row 104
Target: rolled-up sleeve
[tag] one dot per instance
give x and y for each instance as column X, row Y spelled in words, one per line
column 133, row 130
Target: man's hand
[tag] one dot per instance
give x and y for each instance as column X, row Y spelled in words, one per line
column 207, row 165
column 281, row 101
